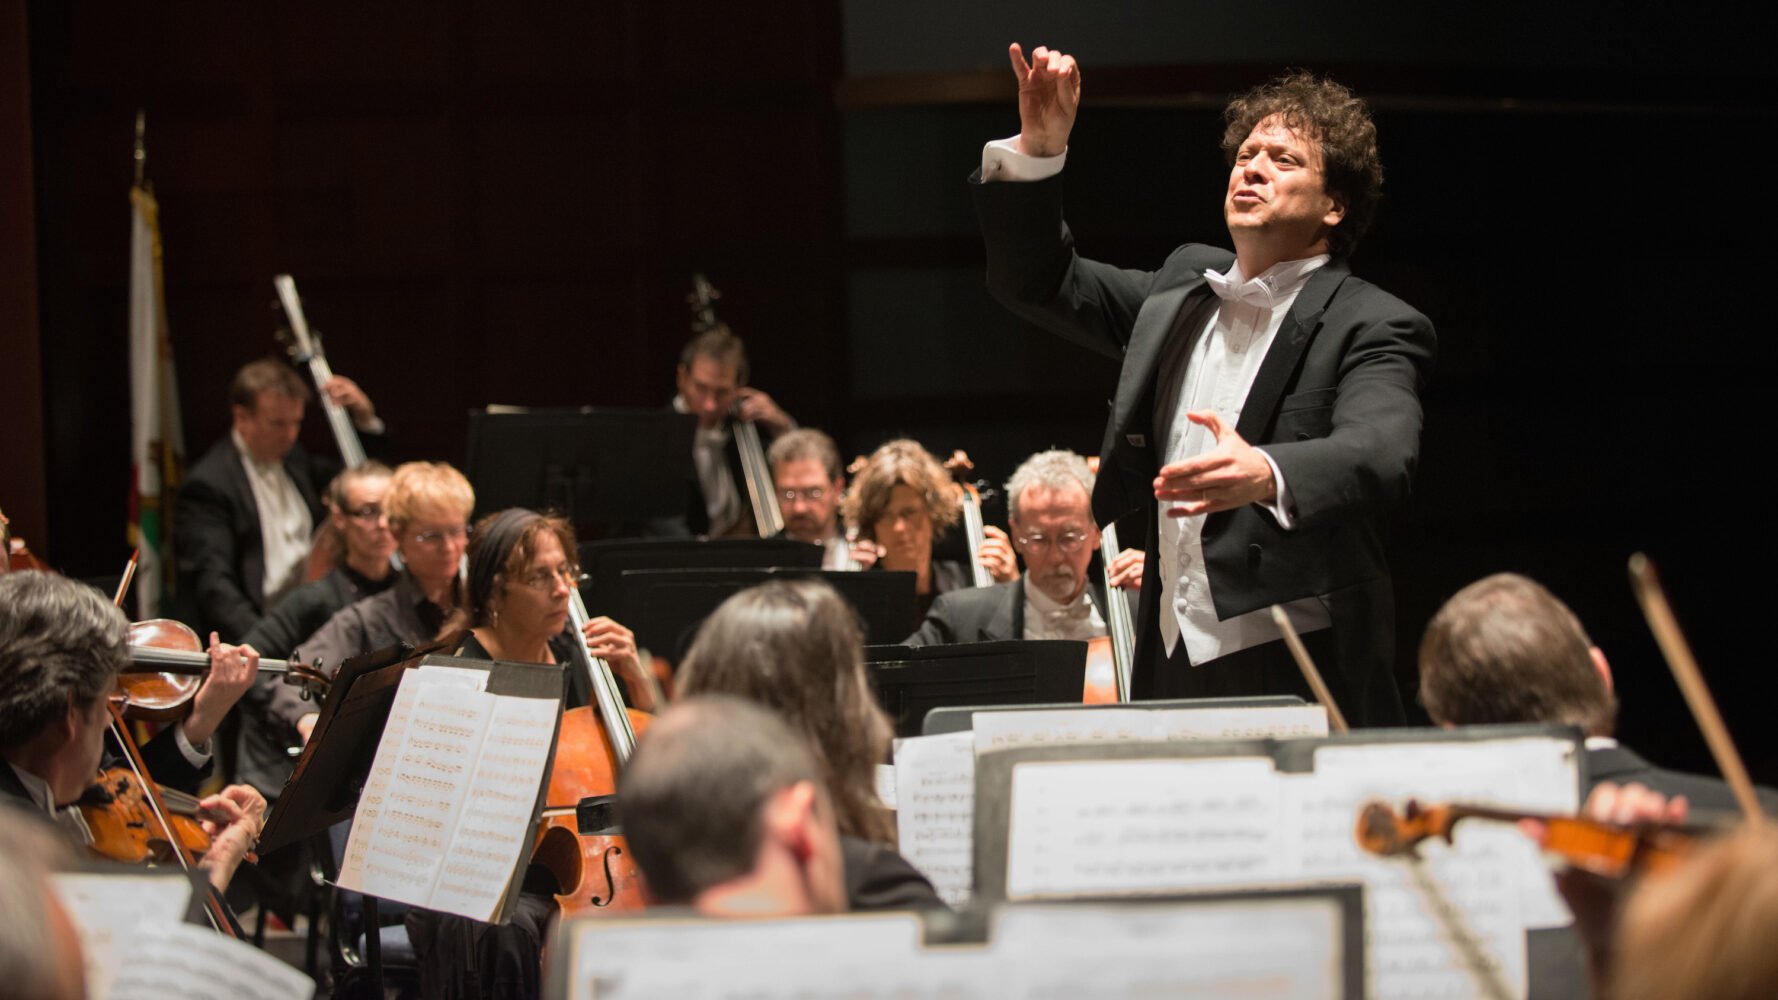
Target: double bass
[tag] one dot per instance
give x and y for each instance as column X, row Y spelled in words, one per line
column 762, row 496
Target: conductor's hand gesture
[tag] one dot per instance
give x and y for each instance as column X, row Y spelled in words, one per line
column 1049, row 96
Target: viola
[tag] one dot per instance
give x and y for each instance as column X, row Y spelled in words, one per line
column 1604, row 849
column 168, row 666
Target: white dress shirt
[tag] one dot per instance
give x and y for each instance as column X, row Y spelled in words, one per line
column 709, row 454
column 285, row 524
column 1225, row 358
column 1046, row 618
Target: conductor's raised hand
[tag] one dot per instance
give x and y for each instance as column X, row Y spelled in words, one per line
column 1049, row 97
column 1232, row 474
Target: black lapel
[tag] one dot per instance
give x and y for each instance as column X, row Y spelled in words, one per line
column 1017, row 611
column 1155, row 326
column 1287, row 350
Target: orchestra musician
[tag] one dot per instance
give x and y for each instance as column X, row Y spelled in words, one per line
column 810, row 483
column 521, row 575
column 355, row 510
column 727, row 812
column 428, row 507
column 900, row 502
column 40, row 954
column 795, row 647
column 1268, row 405
column 1504, row 649
column 712, row 385
column 247, row 509
column 1049, row 504
column 62, row 645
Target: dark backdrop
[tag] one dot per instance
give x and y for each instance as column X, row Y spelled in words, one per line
column 490, row 204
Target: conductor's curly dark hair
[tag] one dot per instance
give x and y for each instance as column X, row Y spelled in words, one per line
column 1340, row 123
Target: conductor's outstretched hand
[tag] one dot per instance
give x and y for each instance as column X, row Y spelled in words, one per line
column 1049, row 97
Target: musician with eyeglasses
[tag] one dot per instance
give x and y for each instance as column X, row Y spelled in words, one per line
column 428, row 507
column 1049, row 504
column 809, row 481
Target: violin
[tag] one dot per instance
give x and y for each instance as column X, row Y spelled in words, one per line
column 168, row 666
column 595, row 872
column 768, row 519
column 1604, row 849
column 123, row 823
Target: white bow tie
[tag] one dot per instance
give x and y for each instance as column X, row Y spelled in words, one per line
column 1256, row 292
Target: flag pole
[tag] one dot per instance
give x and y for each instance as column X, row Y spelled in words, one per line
column 141, row 145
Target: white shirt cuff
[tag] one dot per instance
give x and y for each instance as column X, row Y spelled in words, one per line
column 1280, row 507
column 195, row 756
column 1002, row 161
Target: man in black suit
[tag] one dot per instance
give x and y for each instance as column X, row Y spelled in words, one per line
column 712, row 384
column 1049, row 504
column 61, row 647
column 1504, row 649
column 247, row 509
column 1277, row 346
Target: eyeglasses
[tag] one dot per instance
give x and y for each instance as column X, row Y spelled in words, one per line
column 438, row 536
column 811, row 494
column 369, row 513
column 544, row 580
column 1069, row 542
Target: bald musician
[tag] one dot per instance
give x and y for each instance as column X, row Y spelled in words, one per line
column 1049, row 504
column 247, row 509
column 723, row 806
column 61, row 647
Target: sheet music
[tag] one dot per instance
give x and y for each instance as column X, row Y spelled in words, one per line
column 502, row 794
column 1141, row 825
column 108, row 910
column 414, row 839
column 935, row 792
column 886, row 785
column 371, row 801
column 196, row 963
column 1041, row 727
column 1258, row 949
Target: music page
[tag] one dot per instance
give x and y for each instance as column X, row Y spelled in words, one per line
column 935, row 810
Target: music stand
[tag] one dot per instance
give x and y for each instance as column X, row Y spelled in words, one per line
column 911, row 681
column 605, row 562
column 664, row 607
column 609, row 471
column 961, row 718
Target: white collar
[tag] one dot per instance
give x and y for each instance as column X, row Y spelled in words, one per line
column 1044, row 604
column 264, row 468
column 38, row 788
column 1276, row 284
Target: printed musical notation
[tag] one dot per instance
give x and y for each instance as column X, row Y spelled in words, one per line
column 451, row 795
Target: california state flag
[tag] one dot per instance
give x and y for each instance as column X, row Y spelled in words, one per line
column 157, row 444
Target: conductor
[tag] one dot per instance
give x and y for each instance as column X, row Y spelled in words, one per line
column 1268, row 405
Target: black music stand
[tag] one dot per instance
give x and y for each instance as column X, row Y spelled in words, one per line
column 606, row 562
column 911, row 681
column 665, row 606
column 611, row 472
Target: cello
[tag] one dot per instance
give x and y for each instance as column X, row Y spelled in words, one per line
column 595, row 871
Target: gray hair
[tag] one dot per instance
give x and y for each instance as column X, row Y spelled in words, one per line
column 56, row 636
column 1053, row 470
column 29, row 950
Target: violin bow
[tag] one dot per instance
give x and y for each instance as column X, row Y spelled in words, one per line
column 129, row 574
column 1300, row 653
column 1678, row 654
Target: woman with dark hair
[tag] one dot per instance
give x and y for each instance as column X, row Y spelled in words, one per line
column 797, row 648
column 522, row 574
